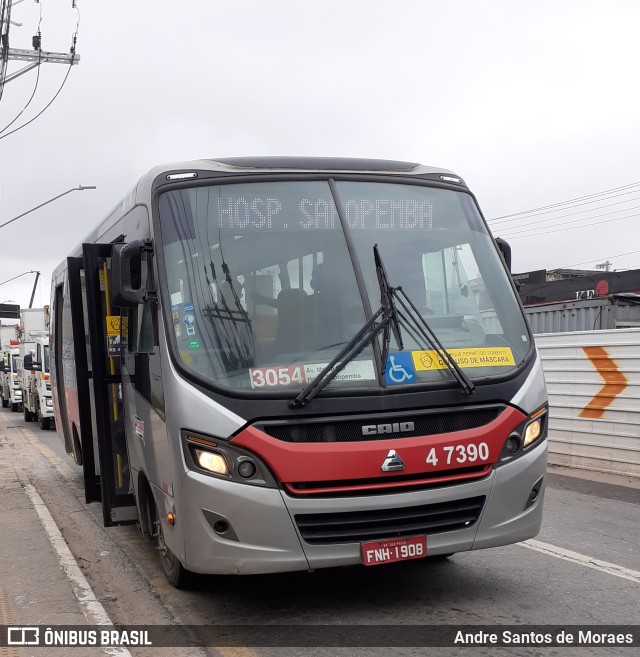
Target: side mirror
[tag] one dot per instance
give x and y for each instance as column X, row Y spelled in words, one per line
column 29, row 364
column 505, row 249
column 126, row 265
column 2, row 369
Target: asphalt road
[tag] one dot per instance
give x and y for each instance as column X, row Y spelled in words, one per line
column 583, row 569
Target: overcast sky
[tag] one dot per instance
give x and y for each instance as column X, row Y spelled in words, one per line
column 532, row 103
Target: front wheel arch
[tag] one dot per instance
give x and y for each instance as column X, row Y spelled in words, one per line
column 151, row 527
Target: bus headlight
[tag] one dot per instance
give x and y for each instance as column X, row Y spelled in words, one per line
column 48, row 402
column 212, row 461
column 220, row 458
column 525, row 436
column 532, row 432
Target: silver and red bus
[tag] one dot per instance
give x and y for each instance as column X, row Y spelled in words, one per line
column 278, row 364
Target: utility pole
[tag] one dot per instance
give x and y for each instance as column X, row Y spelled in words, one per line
column 34, row 57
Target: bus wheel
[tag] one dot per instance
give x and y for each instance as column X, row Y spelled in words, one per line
column 177, row 575
column 15, row 408
column 5, row 402
column 43, row 421
column 27, row 414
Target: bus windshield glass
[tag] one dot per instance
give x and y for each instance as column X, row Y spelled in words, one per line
column 267, row 281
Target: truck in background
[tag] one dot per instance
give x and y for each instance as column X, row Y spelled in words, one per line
column 10, row 390
column 33, row 377
column 8, row 335
column 32, row 366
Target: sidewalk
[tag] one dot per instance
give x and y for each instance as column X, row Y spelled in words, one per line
column 34, row 587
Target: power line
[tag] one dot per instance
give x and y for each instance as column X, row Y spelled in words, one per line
column 573, row 200
column 44, row 109
column 558, row 230
column 35, row 88
column 568, row 207
column 573, row 221
column 5, row 21
column 584, row 262
column 34, row 59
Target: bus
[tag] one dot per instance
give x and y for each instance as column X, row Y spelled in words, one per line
column 277, row 364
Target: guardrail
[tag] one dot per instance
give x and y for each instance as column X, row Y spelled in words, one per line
column 593, row 379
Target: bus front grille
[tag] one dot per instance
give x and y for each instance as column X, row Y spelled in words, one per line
column 357, row 526
column 338, row 430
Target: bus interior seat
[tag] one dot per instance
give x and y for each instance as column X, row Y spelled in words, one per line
column 294, row 322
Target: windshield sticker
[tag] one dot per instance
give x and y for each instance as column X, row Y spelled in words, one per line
column 115, row 345
column 400, row 369
column 357, row 370
column 194, row 344
column 117, row 324
column 189, row 319
column 176, row 298
column 297, row 375
column 175, row 315
column 268, row 377
column 475, row 357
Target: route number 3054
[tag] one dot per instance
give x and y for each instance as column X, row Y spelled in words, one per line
column 469, row 453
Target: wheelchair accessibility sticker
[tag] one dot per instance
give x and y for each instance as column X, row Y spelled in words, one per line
column 400, row 368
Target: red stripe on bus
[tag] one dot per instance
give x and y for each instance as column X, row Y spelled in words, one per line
column 308, row 462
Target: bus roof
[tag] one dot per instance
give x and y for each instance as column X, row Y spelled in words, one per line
column 266, row 165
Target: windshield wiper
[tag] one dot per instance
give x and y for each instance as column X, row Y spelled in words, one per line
column 392, row 294
column 380, row 321
column 386, row 319
column 387, row 304
column 422, row 326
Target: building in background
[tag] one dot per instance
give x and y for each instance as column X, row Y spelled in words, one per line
column 566, row 300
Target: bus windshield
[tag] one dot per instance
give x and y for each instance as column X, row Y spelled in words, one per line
column 268, row 281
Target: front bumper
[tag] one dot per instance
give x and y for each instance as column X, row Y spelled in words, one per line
column 264, row 537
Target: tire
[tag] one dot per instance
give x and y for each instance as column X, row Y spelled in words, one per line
column 28, row 416
column 43, row 422
column 15, row 408
column 177, row 575
column 5, row 402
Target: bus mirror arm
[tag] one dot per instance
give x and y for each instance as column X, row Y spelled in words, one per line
column 125, row 260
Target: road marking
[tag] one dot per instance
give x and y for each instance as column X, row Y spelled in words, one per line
column 95, row 613
column 614, row 382
column 583, row 560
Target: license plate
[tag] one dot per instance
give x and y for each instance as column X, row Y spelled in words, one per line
column 375, row 553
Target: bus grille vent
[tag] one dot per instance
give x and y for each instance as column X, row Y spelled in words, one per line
column 337, row 431
column 357, row 526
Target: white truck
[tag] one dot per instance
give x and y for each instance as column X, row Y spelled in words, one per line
column 35, row 382
column 8, row 335
column 32, row 366
column 10, row 390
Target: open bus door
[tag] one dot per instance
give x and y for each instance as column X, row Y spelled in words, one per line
column 107, row 474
